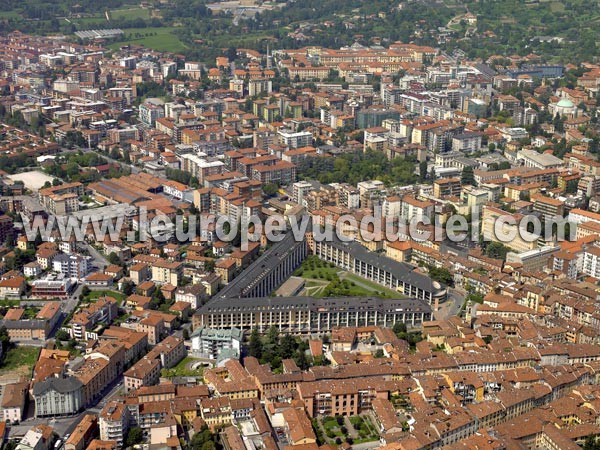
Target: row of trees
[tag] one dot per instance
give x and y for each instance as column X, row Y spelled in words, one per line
column 182, row 177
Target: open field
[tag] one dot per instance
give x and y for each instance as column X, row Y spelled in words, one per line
column 157, row 38
column 130, row 13
column 33, row 180
column 19, row 361
column 9, row 15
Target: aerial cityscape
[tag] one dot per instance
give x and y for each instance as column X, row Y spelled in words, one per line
column 299, row 225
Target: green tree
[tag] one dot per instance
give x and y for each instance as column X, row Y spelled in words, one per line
column 255, row 347
column 270, row 189
column 442, row 275
column 4, row 340
column 423, row 170
column 128, row 287
column 287, row 346
column 496, row 250
column 135, row 436
column 204, row 440
column 399, row 328
column 62, row 335
column 113, row 258
column 467, row 177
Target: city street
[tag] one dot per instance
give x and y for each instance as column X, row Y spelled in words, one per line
column 450, row 307
column 100, row 262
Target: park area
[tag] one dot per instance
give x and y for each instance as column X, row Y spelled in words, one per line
column 352, row 430
column 325, row 280
column 187, row 367
column 95, row 295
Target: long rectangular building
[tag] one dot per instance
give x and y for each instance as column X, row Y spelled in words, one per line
column 356, row 258
column 265, row 274
column 310, row 315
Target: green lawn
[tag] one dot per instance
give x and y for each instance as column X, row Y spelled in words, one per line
column 9, row 15
column 83, row 23
column 331, row 427
column 364, row 428
column 365, row 431
column 93, row 295
column 20, row 359
column 130, row 13
column 181, row 369
column 313, row 268
column 370, row 285
column 326, row 280
column 157, row 38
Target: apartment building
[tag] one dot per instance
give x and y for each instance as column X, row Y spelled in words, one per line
column 153, row 326
column 61, row 199
column 591, row 262
column 200, row 167
column 114, row 421
column 348, row 196
column 211, row 343
column 71, row 266
column 83, row 323
column 280, row 172
column 83, row 434
column 466, row 143
column 396, row 275
column 134, row 342
column 169, row 351
column 13, row 288
column 567, row 263
column 44, row 257
column 167, row 272
column 549, row 208
column 140, row 272
column 370, row 192
column 501, row 226
column 375, row 138
column 447, row 187
column 414, row 209
column 193, row 294
column 290, row 139
column 270, row 270
column 345, row 398
column 151, row 110
column 303, row 315
column 101, row 367
column 145, row 372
